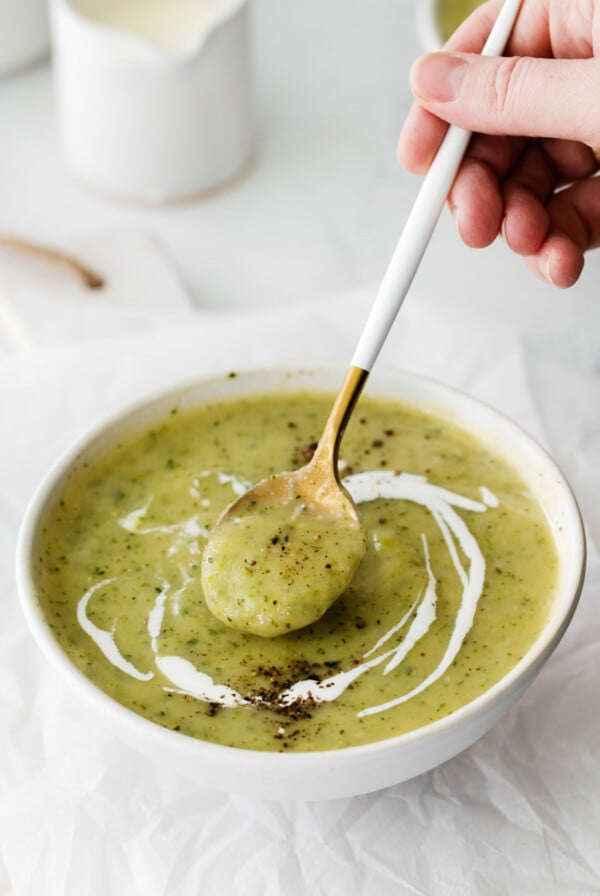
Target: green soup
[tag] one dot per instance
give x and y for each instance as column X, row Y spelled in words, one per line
column 455, row 585
column 452, row 13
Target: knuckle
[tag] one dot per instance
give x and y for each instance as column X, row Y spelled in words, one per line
column 505, row 86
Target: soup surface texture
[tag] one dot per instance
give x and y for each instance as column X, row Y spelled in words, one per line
column 455, row 585
column 451, row 14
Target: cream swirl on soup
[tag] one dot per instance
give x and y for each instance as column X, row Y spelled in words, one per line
column 456, row 582
column 363, row 487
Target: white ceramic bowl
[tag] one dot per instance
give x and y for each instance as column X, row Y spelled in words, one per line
column 354, row 770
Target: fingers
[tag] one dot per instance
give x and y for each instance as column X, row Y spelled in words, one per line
column 559, row 261
column 419, row 140
column 574, row 228
column 544, row 29
column 476, row 197
column 572, row 161
column 515, row 95
column 530, row 185
column 542, row 168
column 551, row 229
column 537, row 191
column 423, row 132
column 476, row 204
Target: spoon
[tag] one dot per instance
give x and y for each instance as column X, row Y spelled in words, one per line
column 280, row 555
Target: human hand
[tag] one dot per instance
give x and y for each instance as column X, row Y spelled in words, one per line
column 529, row 171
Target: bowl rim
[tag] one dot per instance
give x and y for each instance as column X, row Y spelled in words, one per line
column 427, row 25
column 446, row 397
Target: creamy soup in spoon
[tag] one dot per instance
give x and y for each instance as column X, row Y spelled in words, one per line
column 272, row 569
column 455, row 585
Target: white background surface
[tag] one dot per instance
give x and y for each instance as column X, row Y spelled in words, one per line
column 296, row 246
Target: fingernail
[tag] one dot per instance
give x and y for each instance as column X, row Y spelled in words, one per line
column 504, row 235
column 455, row 212
column 542, row 266
column 548, row 269
column 438, row 77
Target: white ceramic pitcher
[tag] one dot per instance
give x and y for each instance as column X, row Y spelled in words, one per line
column 154, row 97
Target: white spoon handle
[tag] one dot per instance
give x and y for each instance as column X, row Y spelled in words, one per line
column 423, row 216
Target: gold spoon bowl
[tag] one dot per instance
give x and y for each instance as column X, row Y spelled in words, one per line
column 283, row 552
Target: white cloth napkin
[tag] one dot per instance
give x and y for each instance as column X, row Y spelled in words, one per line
column 82, row 813
column 43, row 302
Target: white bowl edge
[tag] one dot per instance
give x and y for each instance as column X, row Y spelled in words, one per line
column 353, row 770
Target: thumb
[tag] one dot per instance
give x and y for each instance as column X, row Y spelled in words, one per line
column 518, row 95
